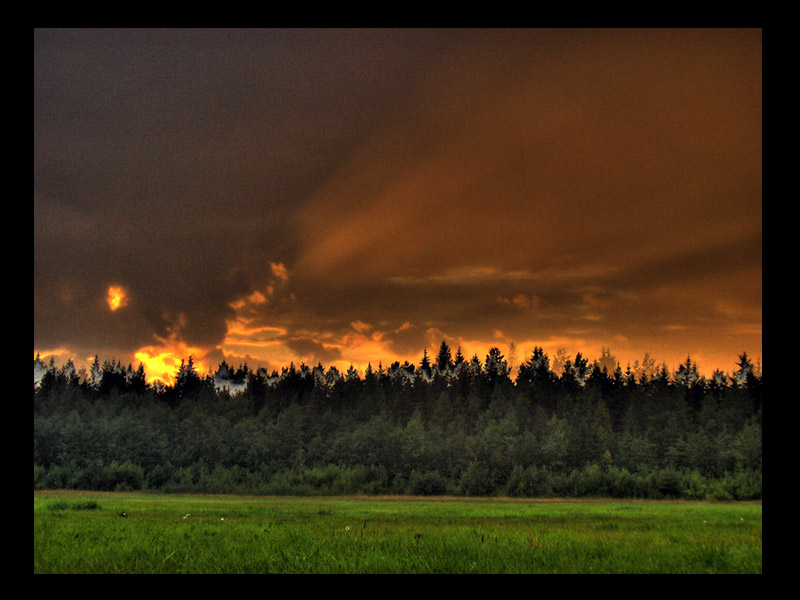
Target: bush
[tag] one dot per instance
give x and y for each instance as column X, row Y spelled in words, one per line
column 89, row 478
column 747, row 485
column 59, row 505
column 124, row 477
column 322, row 479
column 56, row 478
column 476, row 481
column 39, row 473
column 219, row 481
column 514, row 485
column 592, row 480
column 721, row 490
column 743, row 485
column 429, row 483
column 159, row 477
column 181, row 482
column 666, row 483
column 695, row 486
column 289, row 483
column 539, row 482
column 624, row 484
column 362, row 480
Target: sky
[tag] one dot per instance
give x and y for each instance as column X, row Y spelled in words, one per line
column 355, row 196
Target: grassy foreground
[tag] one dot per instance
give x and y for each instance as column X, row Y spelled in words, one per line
column 93, row 532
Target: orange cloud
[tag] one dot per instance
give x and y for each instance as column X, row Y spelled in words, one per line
column 161, row 363
column 162, row 360
column 360, row 326
column 280, row 271
column 117, row 297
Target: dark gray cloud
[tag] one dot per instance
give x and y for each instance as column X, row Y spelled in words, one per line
column 312, row 351
column 554, row 186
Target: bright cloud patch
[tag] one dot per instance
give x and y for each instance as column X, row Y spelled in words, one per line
column 116, row 298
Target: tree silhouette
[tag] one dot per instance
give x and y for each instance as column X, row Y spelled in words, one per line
column 443, row 359
column 425, row 365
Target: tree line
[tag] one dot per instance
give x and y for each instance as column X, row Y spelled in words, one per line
column 446, row 425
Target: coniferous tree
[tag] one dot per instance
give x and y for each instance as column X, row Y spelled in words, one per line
column 139, row 380
column 496, row 367
column 425, row 365
column 443, row 359
column 607, row 361
column 187, row 382
column 459, row 357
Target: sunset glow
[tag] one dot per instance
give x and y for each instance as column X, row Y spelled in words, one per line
column 162, row 362
column 355, row 197
column 116, row 297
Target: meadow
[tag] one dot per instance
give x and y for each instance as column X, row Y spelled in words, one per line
column 134, row 532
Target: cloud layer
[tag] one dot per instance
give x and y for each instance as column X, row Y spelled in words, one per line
column 346, row 196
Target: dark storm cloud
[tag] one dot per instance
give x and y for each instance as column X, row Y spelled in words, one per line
column 475, row 184
column 722, row 259
column 594, row 169
column 170, row 161
column 313, row 351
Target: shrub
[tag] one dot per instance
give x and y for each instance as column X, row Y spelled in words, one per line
column 514, row 486
column 594, row 481
column 58, row 505
column 720, row 490
column 743, row 485
column 124, row 477
column 624, row 484
column 695, row 486
column 321, row 479
column 56, row 478
column 361, row 480
column 428, row 483
column 666, row 483
column 747, row 485
column 159, row 476
column 39, row 473
column 219, row 481
column 476, row 481
column 89, row 478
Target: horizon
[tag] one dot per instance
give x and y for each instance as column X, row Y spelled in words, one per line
column 168, row 376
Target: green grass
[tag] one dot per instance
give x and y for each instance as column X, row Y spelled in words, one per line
column 75, row 532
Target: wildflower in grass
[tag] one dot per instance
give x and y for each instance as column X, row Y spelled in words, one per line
column 347, row 528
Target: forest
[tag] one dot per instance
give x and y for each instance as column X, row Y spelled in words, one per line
column 447, row 425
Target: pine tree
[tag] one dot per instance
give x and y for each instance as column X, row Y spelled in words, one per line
column 687, row 373
column 425, row 363
column 495, row 368
column 139, row 381
column 443, row 360
column 607, row 361
column 745, row 369
column 459, row 357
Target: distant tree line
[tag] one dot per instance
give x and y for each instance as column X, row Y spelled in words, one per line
column 448, row 425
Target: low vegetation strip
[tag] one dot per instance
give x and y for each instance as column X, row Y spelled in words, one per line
column 157, row 533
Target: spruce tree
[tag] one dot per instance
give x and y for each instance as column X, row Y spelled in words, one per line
column 444, row 360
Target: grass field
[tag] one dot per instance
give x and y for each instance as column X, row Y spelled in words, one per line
column 83, row 532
